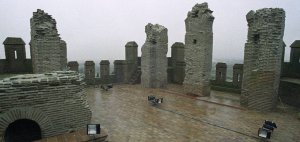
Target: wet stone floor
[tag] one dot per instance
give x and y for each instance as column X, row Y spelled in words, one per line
column 128, row 117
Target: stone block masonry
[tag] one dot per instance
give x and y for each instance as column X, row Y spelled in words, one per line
column 198, row 50
column 154, row 57
column 48, row 51
column 262, row 58
column 55, row 101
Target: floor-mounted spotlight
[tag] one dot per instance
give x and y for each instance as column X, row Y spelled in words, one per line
column 93, row 129
column 106, row 86
column 267, row 129
column 155, row 101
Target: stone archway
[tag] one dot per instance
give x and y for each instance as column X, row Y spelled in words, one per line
column 23, row 130
column 27, row 113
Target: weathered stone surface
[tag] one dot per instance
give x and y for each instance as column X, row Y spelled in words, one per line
column 221, row 73
column 89, row 71
column 120, row 69
column 48, row 51
column 154, row 57
column 237, row 77
column 198, row 50
column 56, row 101
column 15, row 54
column 262, row 58
column 131, row 54
column 178, row 64
column 104, row 71
column 73, row 66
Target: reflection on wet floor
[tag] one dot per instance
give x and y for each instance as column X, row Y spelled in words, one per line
column 126, row 114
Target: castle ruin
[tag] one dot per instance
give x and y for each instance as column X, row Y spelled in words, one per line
column 262, row 58
column 48, row 51
column 198, row 50
column 154, row 57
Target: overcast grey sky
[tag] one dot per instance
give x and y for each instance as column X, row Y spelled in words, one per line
column 99, row 29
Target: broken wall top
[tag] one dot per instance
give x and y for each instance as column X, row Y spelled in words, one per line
column 156, row 33
column 265, row 16
column 43, row 25
column 200, row 18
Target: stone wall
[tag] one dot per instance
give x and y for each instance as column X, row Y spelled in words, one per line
column 48, row 51
column 120, row 70
column 89, row 71
column 262, row 58
column 131, row 54
column 56, row 101
column 221, row 73
column 104, row 72
column 15, row 57
column 73, row 66
column 178, row 64
column 237, row 77
column 154, row 57
column 198, row 50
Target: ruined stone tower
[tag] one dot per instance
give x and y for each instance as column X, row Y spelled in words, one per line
column 154, row 57
column 48, row 51
column 198, row 50
column 262, row 58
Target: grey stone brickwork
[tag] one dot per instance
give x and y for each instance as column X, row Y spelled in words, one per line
column 73, row 66
column 104, row 72
column 15, row 55
column 237, row 77
column 221, row 73
column 48, row 51
column 178, row 64
column 120, row 69
column 131, row 54
column 56, row 101
column 154, row 57
column 198, row 50
column 262, row 58
column 89, row 72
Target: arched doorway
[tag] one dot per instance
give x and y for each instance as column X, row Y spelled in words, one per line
column 22, row 130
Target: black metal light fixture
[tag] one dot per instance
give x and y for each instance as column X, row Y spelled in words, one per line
column 267, row 129
column 93, row 129
column 106, row 86
column 155, row 101
column 264, row 133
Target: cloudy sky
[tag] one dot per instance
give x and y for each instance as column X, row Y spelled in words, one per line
column 99, row 29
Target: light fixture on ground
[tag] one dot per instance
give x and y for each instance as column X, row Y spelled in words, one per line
column 106, row 86
column 93, row 129
column 155, row 101
column 267, row 129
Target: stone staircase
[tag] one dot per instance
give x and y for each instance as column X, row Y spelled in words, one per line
column 136, row 76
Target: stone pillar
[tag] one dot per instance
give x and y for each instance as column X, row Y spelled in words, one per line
column 178, row 64
column 237, row 77
column 262, row 58
column 221, row 73
column 120, row 68
column 198, row 50
column 104, row 72
column 63, row 55
column 48, row 51
column 154, row 57
column 73, row 66
column 295, row 52
column 89, row 71
column 131, row 59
